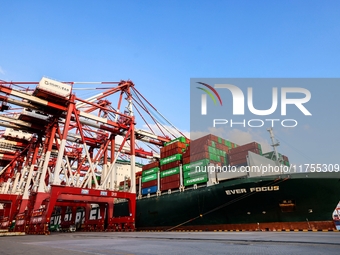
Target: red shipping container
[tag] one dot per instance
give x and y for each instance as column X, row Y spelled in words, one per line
column 187, row 150
column 186, row 160
column 171, row 165
column 128, row 182
column 151, row 165
column 149, row 184
column 241, row 155
column 199, row 156
column 245, row 147
column 222, row 147
column 172, row 146
column 196, row 150
column 205, row 138
column 171, row 178
column 204, row 146
column 238, row 162
column 186, row 154
column 170, row 185
column 171, row 152
column 222, row 159
column 200, row 143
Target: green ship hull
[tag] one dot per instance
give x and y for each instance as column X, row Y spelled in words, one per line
column 295, row 201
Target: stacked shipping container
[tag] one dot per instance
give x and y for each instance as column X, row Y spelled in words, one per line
column 206, row 150
column 194, row 157
column 171, row 159
column 125, row 187
column 238, row 156
column 149, row 178
column 192, row 176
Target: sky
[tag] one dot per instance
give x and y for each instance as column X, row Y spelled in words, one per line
column 161, row 45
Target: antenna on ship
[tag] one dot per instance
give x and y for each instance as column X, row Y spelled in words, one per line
column 275, row 143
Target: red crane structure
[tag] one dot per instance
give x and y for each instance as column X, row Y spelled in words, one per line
column 58, row 152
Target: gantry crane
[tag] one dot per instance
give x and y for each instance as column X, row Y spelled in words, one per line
column 59, row 151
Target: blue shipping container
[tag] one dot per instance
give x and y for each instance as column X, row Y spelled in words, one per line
column 150, row 190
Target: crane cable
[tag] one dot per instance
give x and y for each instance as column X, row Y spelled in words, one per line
column 159, row 112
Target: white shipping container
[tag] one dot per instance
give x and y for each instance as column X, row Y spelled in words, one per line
column 17, row 134
column 55, row 87
column 35, row 114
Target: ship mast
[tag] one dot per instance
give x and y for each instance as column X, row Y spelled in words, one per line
column 274, row 144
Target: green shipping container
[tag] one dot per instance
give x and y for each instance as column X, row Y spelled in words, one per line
column 179, row 139
column 226, row 161
column 221, row 153
column 195, row 180
column 150, row 177
column 260, row 149
column 219, row 140
column 212, row 150
column 271, row 155
column 213, row 144
column 170, row 159
column 170, row 172
column 214, row 157
column 150, row 171
column 193, row 173
column 193, row 165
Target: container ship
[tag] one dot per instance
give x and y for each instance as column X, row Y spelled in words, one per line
column 59, row 156
column 213, row 184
